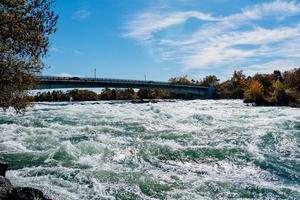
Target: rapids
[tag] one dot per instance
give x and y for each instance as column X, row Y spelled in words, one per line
column 201, row 149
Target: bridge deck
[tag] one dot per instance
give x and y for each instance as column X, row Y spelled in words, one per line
column 53, row 82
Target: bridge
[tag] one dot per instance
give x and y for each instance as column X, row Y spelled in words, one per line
column 54, row 82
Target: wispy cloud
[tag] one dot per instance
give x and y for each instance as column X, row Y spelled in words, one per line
column 279, row 8
column 242, row 38
column 146, row 24
column 240, row 46
column 81, row 14
column 66, row 51
column 278, row 64
column 166, row 68
column 77, row 52
column 55, row 49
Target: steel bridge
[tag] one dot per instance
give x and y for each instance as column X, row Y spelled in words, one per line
column 55, row 82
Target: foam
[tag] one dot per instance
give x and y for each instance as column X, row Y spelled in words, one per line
column 102, row 150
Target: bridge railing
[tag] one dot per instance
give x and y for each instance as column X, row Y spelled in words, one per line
column 83, row 79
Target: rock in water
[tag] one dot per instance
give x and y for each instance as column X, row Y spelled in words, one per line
column 3, row 168
column 9, row 192
column 6, row 188
column 26, row 193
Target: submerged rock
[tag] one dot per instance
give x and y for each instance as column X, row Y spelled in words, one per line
column 9, row 192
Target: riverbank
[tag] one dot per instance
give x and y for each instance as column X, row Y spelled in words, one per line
column 9, row 192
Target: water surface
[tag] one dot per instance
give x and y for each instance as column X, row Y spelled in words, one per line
column 168, row 150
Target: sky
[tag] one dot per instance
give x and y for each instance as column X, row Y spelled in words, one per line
column 160, row 39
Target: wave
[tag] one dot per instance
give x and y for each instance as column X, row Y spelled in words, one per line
column 201, row 149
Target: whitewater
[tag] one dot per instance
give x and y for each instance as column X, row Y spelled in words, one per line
column 200, row 149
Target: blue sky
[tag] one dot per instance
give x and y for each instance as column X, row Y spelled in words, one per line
column 165, row 38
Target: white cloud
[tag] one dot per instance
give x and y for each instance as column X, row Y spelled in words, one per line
column 236, row 39
column 145, row 24
column 225, row 49
column 269, row 67
column 278, row 8
column 55, row 49
column 81, row 14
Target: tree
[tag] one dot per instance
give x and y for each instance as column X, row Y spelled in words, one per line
column 254, row 92
column 25, row 26
column 238, row 84
column 106, row 94
column 279, row 96
column 113, row 94
column 183, row 80
column 211, row 81
column 267, row 82
column 143, row 93
column 235, row 87
column 292, row 78
column 129, row 93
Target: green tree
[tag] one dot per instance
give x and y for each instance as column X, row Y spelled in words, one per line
column 279, row 95
column 210, row 81
column 25, row 26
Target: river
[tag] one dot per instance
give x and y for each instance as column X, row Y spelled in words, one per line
column 197, row 149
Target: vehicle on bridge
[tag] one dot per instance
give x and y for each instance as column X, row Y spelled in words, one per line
column 74, row 78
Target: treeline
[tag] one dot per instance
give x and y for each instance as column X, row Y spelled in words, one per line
column 282, row 89
column 275, row 89
column 263, row 89
column 107, row 94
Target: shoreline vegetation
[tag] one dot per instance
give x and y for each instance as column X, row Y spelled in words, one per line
column 277, row 89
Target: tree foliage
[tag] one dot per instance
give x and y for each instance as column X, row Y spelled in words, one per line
column 235, row 87
column 183, row 80
column 254, row 92
column 267, row 81
column 25, row 26
column 292, row 78
column 279, row 94
column 210, row 81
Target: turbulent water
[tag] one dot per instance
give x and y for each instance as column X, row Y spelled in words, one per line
column 168, row 150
